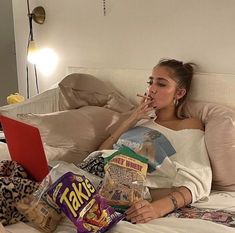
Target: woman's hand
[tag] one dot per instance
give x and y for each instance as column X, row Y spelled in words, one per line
column 142, row 212
column 141, row 112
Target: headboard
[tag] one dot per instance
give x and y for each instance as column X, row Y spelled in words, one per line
column 210, row 87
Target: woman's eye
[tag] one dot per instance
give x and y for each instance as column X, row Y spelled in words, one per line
column 150, row 82
column 161, row 84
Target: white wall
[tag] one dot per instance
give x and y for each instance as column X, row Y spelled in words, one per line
column 133, row 34
column 8, row 77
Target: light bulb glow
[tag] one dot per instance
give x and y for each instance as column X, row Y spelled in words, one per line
column 47, row 60
column 32, row 56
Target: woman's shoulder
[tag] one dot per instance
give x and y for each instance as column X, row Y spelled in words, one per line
column 192, row 123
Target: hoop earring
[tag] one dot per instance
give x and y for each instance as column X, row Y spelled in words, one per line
column 176, row 102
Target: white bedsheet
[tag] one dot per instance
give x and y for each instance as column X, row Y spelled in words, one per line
column 219, row 200
column 163, row 225
column 4, row 153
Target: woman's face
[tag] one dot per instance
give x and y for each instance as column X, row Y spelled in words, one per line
column 162, row 87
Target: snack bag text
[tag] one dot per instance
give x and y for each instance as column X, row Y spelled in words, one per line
column 78, row 199
column 125, row 174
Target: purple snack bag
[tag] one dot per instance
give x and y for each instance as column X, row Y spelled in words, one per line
column 78, row 199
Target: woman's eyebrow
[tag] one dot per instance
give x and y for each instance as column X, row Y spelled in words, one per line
column 158, row 79
column 162, row 79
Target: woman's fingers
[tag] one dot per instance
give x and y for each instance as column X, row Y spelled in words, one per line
column 146, row 103
column 142, row 111
column 142, row 218
column 143, row 97
column 148, row 112
column 137, row 206
column 140, row 212
column 146, row 106
column 145, row 220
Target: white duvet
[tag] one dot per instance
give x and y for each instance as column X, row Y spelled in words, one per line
column 223, row 200
column 218, row 200
column 163, row 225
column 4, row 153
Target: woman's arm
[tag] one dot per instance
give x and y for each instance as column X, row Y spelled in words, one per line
column 144, row 211
column 176, row 198
column 141, row 112
column 108, row 143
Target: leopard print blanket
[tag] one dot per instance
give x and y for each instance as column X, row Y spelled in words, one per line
column 14, row 185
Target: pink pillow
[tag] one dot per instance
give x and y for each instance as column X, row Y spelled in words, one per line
column 220, row 141
column 78, row 90
column 73, row 134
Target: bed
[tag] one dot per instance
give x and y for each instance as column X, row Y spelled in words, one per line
column 205, row 88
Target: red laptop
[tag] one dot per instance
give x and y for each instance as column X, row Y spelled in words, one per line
column 25, row 147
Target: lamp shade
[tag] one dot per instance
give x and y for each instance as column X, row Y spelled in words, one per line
column 32, row 55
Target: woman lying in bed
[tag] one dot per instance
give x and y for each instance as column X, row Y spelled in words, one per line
column 181, row 172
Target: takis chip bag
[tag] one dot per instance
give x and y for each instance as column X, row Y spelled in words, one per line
column 80, row 202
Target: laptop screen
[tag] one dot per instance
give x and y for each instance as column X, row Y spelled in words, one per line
column 25, row 147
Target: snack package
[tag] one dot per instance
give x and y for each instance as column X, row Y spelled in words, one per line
column 39, row 208
column 78, row 199
column 15, row 98
column 125, row 175
column 94, row 164
column 59, row 168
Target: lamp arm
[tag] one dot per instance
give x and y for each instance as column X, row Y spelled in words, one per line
column 28, row 7
column 30, row 15
column 31, row 26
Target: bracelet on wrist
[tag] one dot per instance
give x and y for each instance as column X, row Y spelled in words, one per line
column 182, row 195
column 174, row 201
column 176, row 190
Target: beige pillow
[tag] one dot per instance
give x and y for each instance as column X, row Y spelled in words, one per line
column 220, row 141
column 74, row 133
column 77, row 90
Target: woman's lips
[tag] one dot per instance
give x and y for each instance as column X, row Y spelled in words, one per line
column 151, row 98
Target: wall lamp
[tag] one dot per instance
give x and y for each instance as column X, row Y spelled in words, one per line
column 38, row 15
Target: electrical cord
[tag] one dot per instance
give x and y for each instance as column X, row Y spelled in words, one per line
column 36, row 77
column 27, row 71
column 30, row 38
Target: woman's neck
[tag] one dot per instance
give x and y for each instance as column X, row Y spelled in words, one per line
column 166, row 114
